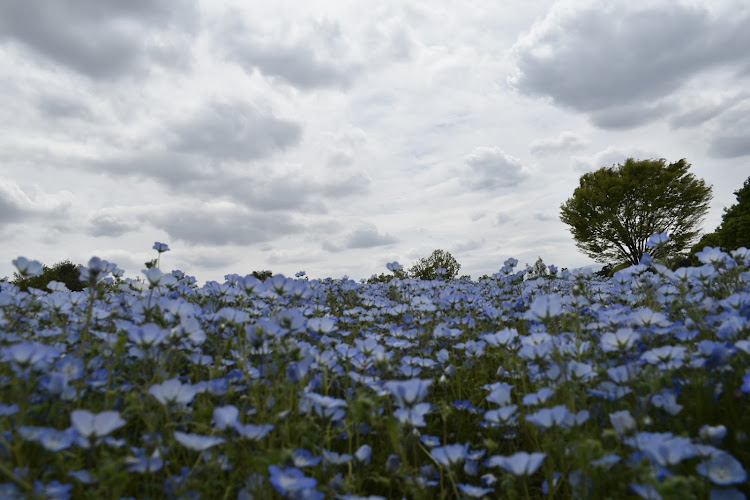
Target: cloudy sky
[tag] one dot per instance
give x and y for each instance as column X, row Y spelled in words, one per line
column 335, row 137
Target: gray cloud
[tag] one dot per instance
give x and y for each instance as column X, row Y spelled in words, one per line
column 313, row 60
column 468, row 245
column 17, row 206
column 365, row 236
column 104, row 224
column 732, row 134
column 490, row 168
column 610, row 54
column 700, row 113
column 234, row 131
column 609, row 157
column 101, row 38
column 630, row 115
column 566, row 141
column 221, row 224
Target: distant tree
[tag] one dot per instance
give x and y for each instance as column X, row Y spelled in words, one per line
column 65, row 272
column 614, row 210
column 734, row 230
column 439, row 265
column 539, row 269
column 262, row 275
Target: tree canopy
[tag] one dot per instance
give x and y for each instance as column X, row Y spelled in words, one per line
column 439, row 265
column 734, row 230
column 614, row 210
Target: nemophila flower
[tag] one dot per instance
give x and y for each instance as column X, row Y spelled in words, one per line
column 148, row 335
column 451, row 454
column 668, row 357
column 518, row 464
column 548, row 417
column 667, row 400
column 322, row 326
column 226, row 416
column 713, row 256
column 658, row 240
column 54, row 490
column 326, row 406
column 500, row 338
column 726, row 494
column 95, row 425
column 430, row 441
column 29, row 355
column 621, row 340
column 394, row 266
column 197, row 442
column 143, row 463
column 577, row 370
column 161, row 247
column 474, row 491
column 253, row 432
column 535, row 398
column 544, row 307
column 499, row 393
column 622, row 421
column 7, row 410
column 408, row 392
column 413, row 416
column 290, row 481
column 505, row 415
column 304, row 458
column 646, row 317
column 27, row 268
column 713, row 433
column 722, row 469
column 623, row 374
column 333, row 458
column 173, row 391
column 364, row 454
column 83, row 476
column 669, row 451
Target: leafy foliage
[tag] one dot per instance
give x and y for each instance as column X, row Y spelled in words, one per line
column 734, row 230
column 614, row 210
column 439, row 265
column 65, row 272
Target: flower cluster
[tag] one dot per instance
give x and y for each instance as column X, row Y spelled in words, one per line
column 567, row 385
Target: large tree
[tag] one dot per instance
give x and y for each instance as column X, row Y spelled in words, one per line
column 615, row 209
column 439, row 265
column 734, row 230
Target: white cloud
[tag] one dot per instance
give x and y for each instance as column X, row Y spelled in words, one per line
column 490, row 168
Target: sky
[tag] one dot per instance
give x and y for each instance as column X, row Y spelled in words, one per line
column 335, row 137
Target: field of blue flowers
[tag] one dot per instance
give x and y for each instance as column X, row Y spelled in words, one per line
column 512, row 386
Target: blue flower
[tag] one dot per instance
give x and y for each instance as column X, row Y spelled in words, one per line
column 95, row 425
column 305, row 458
column 451, row 454
column 173, row 391
column 499, row 393
column 408, row 392
column 658, row 240
column 413, row 416
column 161, row 247
column 226, row 416
column 519, row 464
column 545, row 307
column 722, row 469
column 27, row 268
column 474, row 491
column 197, row 442
column 290, row 481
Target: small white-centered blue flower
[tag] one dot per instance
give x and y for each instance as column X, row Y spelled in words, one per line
column 173, row 391
column 27, row 268
column 722, row 469
column 161, row 247
column 658, row 240
column 95, row 425
column 197, row 442
column 519, row 464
